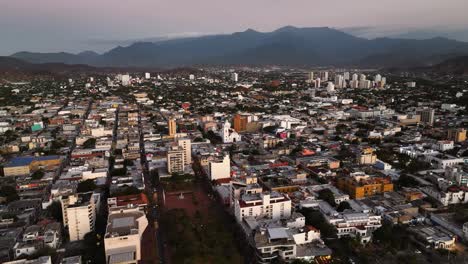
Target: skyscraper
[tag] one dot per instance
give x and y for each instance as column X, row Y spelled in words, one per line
column 378, row 78
column 147, row 75
column 310, row 76
column 346, row 76
column 126, row 80
column 339, row 81
column 240, row 123
column 317, row 83
column 172, row 126
column 330, row 87
column 234, row 77
column 427, row 115
column 324, row 75
column 175, row 160
column 186, row 145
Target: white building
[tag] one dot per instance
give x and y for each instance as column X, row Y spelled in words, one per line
column 339, row 81
column 186, row 145
column 122, row 241
column 443, row 145
column 228, row 134
column 79, row 213
column 125, row 80
column 330, row 87
column 234, row 77
column 220, row 168
column 453, row 195
column 272, row 205
column 147, row 75
column 175, row 160
column 317, row 83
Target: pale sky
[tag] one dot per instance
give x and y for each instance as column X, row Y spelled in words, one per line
column 77, row 25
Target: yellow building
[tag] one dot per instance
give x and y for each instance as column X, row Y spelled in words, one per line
column 25, row 165
column 171, row 123
column 364, row 186
column 457, row 135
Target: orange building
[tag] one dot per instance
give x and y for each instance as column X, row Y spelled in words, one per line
column 364, row 186
column 457, row 135
column 240, row 123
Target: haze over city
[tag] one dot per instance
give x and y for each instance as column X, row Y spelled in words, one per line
column 234, row 132
column 74, row 26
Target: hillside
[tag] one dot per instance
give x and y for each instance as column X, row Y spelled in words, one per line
column 286, row 46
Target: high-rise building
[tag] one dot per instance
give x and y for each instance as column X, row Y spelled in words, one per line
column 234, row 77
column 191, row 77
column 240, row 123
column 378, row 78
column 186, row 145
column 457, row 134
column 125, row 80
column 310, row 76
column 317, row 83
column 346, row 76
column 362, row 77
column 355, row 77
column 79, row 213
column 330, row 87
column 365, row 84
column 124, row 232
column 427, row 115
column 324, row 75
column 147, row 75
column 339, row 81
column 175, row 160
column 172, row 126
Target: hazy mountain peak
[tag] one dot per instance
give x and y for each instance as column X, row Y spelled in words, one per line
column 88, row 53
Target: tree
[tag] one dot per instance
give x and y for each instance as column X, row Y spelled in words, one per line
column 93, row 248
column 37, row 175
column 54, row 210
column 343, row 206
column 89, row 143
column 316, row 219
column 9, row 192
column 126, row 190
column 86, row 186
column 327, row 196
column 407, row 181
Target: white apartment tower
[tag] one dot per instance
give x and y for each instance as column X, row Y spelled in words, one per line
column 125, row 80
column 317, row 83
column 339, row 81
column 234, row 77
column 175, row 160
column 79, row 213
column 186, row 145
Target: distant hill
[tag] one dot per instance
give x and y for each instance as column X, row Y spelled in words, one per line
column 9, row 64
column 457, row 65
column 319, row 46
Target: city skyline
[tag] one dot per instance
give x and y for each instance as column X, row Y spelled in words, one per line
column 51, row 25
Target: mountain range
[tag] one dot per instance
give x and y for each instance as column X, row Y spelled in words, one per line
column 318, row 46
